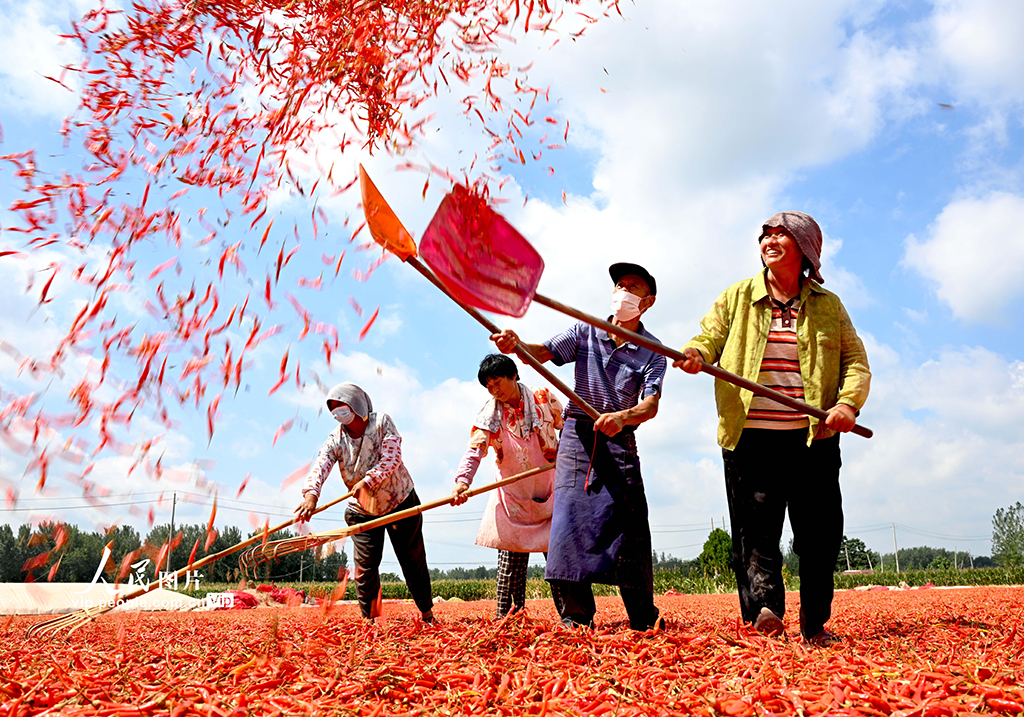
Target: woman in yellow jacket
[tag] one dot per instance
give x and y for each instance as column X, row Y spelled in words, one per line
column 781, row 329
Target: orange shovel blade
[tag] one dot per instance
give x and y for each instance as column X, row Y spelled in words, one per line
column 383, row 223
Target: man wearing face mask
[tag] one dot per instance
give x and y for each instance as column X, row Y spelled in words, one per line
column 368, row 450
column 599, row 528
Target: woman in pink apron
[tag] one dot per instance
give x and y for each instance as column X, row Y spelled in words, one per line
column 520, row 424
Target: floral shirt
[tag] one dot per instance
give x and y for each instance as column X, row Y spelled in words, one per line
column 376, row 456
column 543, row 416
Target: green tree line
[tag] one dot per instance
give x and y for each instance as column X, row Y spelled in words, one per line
column 80, row 553
column 535, row 570
column 716, row 557
column 78, row 558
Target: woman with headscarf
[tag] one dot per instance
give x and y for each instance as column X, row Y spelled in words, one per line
column 783, row 330
column 368, row 451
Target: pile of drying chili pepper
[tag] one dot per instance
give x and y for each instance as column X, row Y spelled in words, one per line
column 934, row 653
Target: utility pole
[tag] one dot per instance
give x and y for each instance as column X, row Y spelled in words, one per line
column 896, row 549
column 170, row 536
column 302, row 560
column 847, row 550
column 870, row 566
column 954, row 559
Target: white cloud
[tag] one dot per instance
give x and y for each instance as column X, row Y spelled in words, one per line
column 917, row 317
column 979, row 41
column 974, row 59
column 969, row 387
column 946, row 449
column 703, row 123
column 846, row 284
column 434, row 420
column 705, row 96
column 944, row 456
column 32, row 51
column 1017, row 375
column 974, row 255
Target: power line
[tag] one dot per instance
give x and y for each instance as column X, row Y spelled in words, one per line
column 320, row 518
column 942, row 536
column 440, row 563
column 75, row 507
column 220, row 507
column 187, row 494
column 456, row 545
column 680, row 547
column 695, row 526
column 868, row 529
column 112, row 495
column 468, row 516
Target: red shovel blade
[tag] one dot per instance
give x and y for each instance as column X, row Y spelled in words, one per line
column 479, row 257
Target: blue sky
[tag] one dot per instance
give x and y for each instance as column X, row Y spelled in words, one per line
column 690, row 124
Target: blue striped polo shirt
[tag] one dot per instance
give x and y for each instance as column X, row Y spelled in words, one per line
column 609, row 378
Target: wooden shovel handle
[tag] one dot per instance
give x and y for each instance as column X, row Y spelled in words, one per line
column 715, row 371
column 521, row 352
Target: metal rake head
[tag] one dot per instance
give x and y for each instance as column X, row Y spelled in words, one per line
column 275, row 549
column 69, row 622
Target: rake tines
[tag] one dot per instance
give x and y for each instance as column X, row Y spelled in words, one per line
column 73, row 621
column 273, row 550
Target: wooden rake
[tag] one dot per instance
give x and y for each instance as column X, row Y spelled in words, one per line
column 74, row 620
column 279, row 548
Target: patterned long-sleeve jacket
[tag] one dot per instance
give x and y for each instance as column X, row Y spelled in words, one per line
column 375, row 456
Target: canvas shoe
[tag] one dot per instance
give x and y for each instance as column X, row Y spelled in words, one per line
column 823, row 639
column 768, row 623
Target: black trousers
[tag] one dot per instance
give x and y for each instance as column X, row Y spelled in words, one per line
column 407, row 540
column 575, row 602
column 769, row 472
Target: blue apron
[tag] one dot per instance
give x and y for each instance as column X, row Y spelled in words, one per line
column 599, row 527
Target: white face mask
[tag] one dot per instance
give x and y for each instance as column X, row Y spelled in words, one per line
column 625, row 306
column 343, row 415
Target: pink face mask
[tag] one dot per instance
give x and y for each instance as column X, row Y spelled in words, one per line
column 625, row 305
